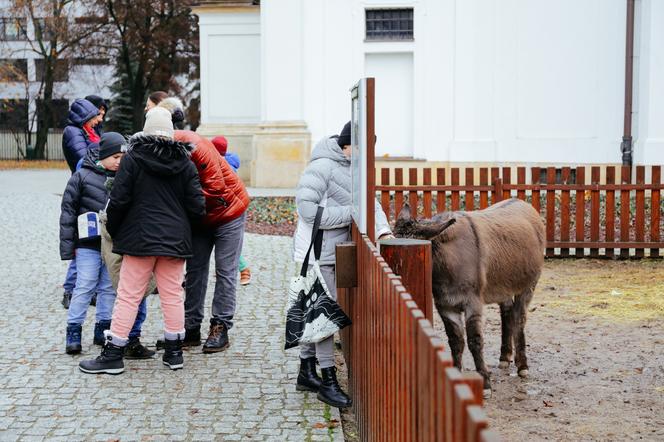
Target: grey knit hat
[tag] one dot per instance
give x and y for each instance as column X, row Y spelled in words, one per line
column 158, row 123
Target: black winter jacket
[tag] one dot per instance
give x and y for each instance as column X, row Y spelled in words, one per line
column 156, row 197
column 85, row 192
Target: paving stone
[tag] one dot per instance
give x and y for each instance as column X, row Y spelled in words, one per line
column 244, row 393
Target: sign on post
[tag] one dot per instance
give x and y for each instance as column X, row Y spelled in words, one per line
column 363, row 179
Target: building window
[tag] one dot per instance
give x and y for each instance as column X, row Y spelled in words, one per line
column 60, row 112
column 91, row 61
column 46, row 28
column 389, row 24
column 13, row 115
column 60, row 72
column 13, row 70
column 13, row 29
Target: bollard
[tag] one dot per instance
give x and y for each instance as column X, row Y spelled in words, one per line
column 411, row 260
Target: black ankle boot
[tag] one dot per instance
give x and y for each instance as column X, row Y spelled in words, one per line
column 109, row 361
column 192, row 338
column 307, row 379
column 73, row 345
column 173, row 354
column 330, row 392
column 136, row 350
column 100, row 328
column 217, row 339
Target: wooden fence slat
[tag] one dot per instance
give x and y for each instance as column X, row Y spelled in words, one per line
column 398, row 195
column 412, row 195
column 507, row 179
column 477, row 421
column 385, row 194
column 455, row 193
column 470, row 195
column 535, row 179
column 443, row 361
column 521, row 179
column 594, row 211
column 427, row 193
column 610, row 210
column 655, row 209
column 484, row 194
column 440, row 195
column 564, row 210
column 463, row 397
column 640, row 215
column 451, row 379
column 580, row 210
column 497, row 194
column 550, row 210
column 625, row 177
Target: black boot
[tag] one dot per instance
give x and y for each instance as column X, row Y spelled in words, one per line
column 66, row 299
column 73, row 345
column 136, row 350
column 330, row 392
column 173, row 354
column 100, row 328
column 217, row 339
column 192, row 338
column 307, row 379
column 109, row 361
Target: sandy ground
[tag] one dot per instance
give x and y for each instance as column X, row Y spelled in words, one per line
column 595, row 336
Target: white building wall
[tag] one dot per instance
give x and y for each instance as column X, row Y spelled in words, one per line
column 491, row 81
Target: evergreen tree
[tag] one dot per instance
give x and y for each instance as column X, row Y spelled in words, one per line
column 120, row 113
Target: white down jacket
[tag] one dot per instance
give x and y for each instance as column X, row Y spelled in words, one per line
column 326, row 182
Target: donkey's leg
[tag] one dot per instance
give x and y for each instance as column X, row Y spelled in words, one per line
column 475, row 334
column 454, row 329
column 506, row 348
column 519, row 312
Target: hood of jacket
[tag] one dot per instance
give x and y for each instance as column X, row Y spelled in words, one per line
column 81, row 111
column 91, row 157
column 158, row 155
column 328, row 148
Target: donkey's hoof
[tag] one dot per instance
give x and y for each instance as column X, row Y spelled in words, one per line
column 486, row 393
column 504, row 364
column 523, row 373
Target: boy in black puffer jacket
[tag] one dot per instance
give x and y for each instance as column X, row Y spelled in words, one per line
column 85, row 195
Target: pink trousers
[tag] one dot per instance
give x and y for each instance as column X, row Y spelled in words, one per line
column 135, row 275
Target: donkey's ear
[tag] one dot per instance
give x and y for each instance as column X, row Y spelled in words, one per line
column 404, row 214
column 432, row 231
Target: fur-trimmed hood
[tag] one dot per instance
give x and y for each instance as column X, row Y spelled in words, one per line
column 159, row 155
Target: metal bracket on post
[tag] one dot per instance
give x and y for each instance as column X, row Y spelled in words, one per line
column 411, row 260
column 346, row 265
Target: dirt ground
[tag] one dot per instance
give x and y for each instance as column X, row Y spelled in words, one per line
column 595, row 337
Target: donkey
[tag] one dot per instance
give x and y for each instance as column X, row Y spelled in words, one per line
column 489, row 256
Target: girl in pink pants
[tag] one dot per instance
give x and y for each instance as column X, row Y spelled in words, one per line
column 155, row 198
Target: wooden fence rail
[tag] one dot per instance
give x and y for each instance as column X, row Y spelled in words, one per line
column 401, row 376
column 594, row 217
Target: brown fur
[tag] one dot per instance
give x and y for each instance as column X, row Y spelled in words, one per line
column 488, row 256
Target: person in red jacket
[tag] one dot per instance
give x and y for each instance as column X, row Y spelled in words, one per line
column 226, row 201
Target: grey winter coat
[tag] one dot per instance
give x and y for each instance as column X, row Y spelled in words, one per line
column 326, row 182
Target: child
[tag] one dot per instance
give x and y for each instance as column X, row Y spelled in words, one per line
column 155, row 197
column 86, row 194
column 233, row 160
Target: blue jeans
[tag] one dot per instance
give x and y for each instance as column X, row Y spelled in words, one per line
column 70, row 279
column 140, row 319
column 91, row 277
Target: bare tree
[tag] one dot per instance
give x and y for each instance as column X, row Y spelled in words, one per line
column 156, row 41
column 57, row 36
column 21, row 123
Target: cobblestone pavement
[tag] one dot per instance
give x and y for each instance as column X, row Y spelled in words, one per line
column 244, row 393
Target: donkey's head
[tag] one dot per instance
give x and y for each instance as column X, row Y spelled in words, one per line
column 407, row 226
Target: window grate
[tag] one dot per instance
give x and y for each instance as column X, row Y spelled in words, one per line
column 389, row 24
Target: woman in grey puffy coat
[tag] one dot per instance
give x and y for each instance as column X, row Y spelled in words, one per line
column 326, row 181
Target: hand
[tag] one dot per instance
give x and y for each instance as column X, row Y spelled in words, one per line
column 387, row 236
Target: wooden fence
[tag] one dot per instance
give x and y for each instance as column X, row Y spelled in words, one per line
column 401, row 377
column 621, row 212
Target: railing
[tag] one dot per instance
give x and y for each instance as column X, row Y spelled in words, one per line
column 12, row 146
column 620, row 211
column 401, row 377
